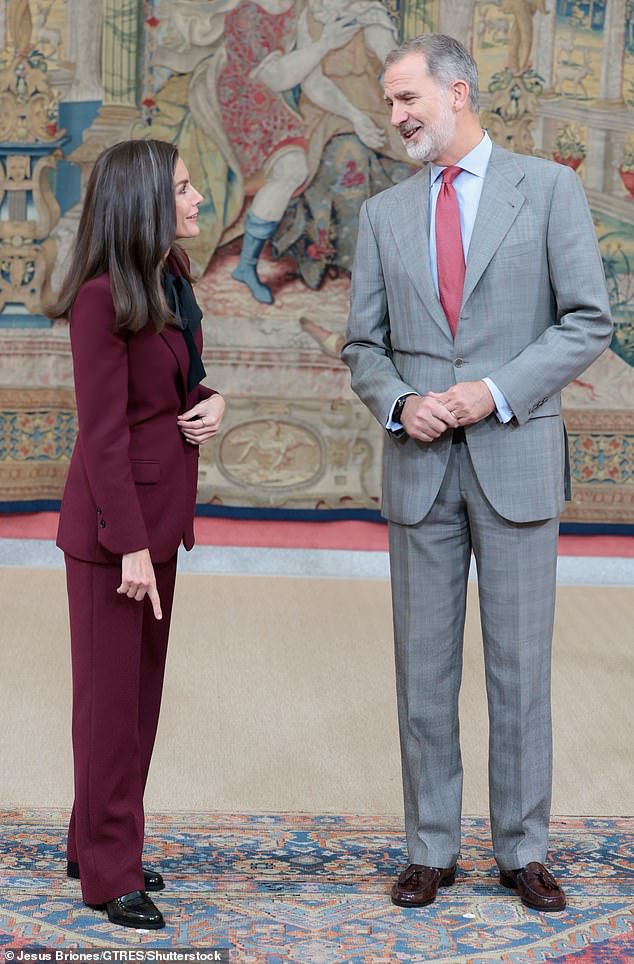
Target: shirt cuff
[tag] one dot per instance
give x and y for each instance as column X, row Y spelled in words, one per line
column 503, row 410
column 391, row 425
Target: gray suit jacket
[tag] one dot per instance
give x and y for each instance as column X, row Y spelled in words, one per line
column 535, row 314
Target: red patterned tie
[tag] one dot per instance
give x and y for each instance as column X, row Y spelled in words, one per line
column 449, row 253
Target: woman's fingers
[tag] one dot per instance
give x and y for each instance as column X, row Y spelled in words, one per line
column 138, row 579
column 156, row 602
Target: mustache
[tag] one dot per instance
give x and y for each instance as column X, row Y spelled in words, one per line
column 407, row 128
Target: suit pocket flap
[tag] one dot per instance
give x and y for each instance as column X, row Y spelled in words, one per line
column 144, row 471
column 519, row 249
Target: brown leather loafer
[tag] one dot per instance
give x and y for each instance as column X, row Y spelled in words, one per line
column 536, row 886
column 418, row 884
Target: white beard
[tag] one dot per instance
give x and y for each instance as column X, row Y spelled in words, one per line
column 433, row 139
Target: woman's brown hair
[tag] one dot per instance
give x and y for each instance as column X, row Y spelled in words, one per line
column 127, row 227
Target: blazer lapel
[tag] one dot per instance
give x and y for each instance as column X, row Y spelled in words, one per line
column 500, row 204
column 410, row 225
column 173, row 338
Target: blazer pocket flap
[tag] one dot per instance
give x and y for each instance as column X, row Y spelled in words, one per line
column 145, row 472
column 519, row 249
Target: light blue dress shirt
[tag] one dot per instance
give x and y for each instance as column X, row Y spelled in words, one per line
column 468, row 187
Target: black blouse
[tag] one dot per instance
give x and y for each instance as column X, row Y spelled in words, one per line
column 182, row 303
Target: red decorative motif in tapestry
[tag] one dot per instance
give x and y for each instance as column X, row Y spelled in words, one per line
column 256, row 120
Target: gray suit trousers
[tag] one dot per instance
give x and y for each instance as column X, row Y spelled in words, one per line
column 516, row 564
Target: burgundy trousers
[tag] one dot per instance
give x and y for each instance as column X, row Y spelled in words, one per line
column 118, row 654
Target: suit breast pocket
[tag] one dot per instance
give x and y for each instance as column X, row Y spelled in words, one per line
column 145, row 471
column 519, row 249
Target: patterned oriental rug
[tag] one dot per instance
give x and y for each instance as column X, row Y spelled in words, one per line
column 311, row 889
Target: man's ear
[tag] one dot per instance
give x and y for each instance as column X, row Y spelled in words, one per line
column 460, row 91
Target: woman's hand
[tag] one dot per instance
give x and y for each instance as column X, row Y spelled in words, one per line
column 202, row 421
column 138, row 579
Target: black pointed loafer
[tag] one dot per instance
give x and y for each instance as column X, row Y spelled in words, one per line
column 152, row 879
column 133, row 910
column 536, row 887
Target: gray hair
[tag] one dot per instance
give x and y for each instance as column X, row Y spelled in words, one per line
column 447, row 60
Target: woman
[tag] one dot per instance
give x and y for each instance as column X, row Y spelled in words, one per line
column 129, row 497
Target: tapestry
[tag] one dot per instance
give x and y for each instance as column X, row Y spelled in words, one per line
column 314, row 889
column 277, row 109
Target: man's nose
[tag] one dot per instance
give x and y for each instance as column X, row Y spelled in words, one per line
column 399, row 115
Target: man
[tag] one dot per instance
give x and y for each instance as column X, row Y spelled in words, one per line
column 477, row 295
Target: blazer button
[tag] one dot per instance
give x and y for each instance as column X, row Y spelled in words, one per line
column 459, row 362
column 98, row 511
column 102, row 523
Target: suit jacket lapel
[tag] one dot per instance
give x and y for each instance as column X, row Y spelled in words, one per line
column 173, row 337
column 410, row 226
column 500, row 204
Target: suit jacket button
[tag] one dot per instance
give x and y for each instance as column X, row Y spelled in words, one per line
column 98, row 511
column 102, row 523
column 459, row 362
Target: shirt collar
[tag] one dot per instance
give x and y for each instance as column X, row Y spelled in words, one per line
column 475, row 162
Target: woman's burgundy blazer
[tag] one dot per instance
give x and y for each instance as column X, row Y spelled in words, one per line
column 132, row 477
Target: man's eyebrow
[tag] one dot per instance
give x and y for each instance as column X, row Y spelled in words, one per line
column 399, row 94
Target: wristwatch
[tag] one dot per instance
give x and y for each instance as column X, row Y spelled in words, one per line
column 399, row 405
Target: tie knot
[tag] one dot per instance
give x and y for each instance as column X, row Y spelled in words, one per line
column 450, row 174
